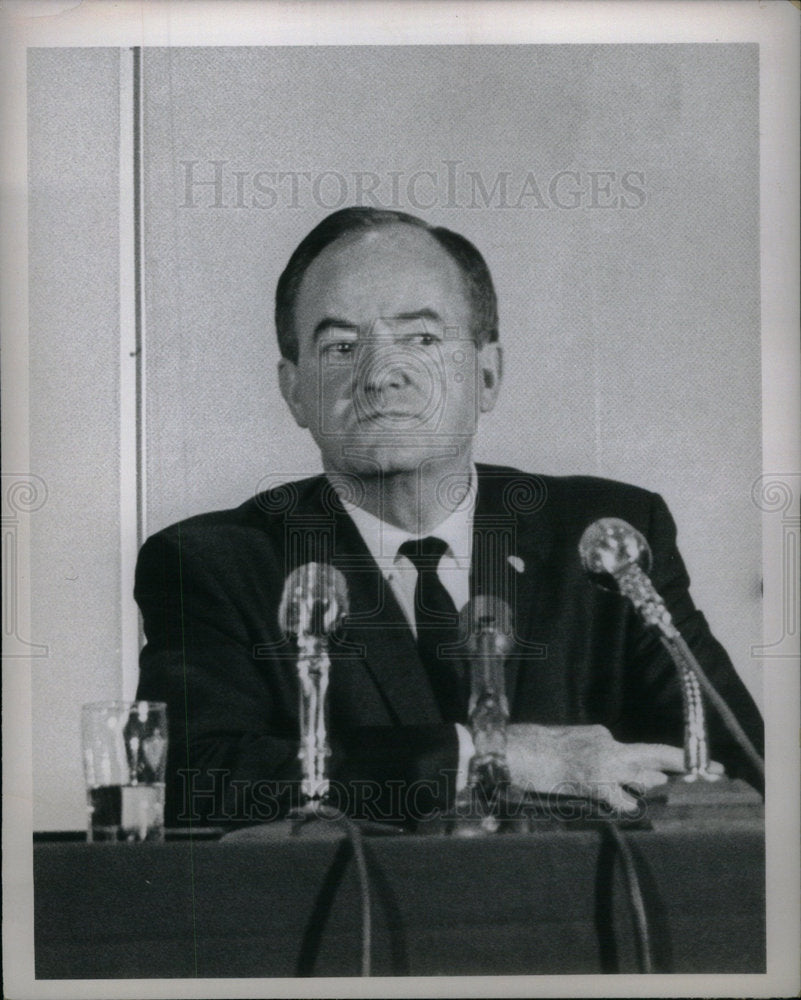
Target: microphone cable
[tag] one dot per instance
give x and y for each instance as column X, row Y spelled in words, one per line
column 639, row 914
column 322, row 811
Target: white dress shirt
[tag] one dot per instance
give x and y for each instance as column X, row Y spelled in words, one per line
column 383, row 541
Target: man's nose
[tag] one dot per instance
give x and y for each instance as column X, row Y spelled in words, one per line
column 383, row 365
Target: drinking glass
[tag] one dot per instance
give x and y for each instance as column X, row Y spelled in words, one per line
column 125, row 760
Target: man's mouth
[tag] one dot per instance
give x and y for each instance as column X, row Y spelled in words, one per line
column 389, row 416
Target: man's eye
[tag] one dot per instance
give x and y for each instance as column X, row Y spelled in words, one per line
column 339, row 348
column 423, row 339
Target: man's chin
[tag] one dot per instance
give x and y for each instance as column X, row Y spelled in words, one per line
column 390, row 458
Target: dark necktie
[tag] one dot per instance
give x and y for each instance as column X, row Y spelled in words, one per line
column 436, row 621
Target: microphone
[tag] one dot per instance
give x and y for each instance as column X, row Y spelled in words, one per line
column 486, row 621
column 616, row 556
column 313, row 606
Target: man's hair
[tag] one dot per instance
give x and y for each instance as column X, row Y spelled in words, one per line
column 475, row 273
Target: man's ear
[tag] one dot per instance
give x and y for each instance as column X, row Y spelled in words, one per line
column 289, row 383
column 490, row 373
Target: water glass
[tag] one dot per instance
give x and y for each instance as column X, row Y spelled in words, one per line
column 125, row 761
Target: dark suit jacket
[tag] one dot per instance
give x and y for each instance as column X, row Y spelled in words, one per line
column 209, row 589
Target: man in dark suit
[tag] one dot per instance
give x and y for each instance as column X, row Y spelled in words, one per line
column 389, row 341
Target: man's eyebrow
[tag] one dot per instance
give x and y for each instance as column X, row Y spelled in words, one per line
column 431, row 314
column 335, row 323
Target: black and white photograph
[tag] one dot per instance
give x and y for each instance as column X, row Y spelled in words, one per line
column 401, row 483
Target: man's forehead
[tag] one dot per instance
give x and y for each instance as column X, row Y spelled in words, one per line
column 394, row 268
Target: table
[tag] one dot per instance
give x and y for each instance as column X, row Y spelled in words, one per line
column 545, row 901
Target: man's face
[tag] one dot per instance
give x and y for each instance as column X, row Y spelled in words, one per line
column 388, row 378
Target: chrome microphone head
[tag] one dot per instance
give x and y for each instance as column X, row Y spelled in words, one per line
column 314, row 602
column 611, row 546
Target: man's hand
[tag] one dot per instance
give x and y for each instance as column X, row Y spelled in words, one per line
column 588, row 761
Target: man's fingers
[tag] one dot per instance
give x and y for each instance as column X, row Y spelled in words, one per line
column 660, row 756
column 615, row 796
column 655, row 756
column 611, row 793
column 648, row 779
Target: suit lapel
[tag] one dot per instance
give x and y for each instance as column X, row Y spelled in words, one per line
column 377, row 632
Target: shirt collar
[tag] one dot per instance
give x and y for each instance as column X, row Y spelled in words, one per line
column 383, row 539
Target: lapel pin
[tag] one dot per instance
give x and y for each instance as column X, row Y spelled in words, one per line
column 517, row 564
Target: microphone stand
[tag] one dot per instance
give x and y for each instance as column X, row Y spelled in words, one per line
column 488, row 779
column 314, row 605
column 612, row 548
column 488, row 798
column 313, row 667
column 637, row 587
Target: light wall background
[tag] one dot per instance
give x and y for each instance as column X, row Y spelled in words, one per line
column 74, row 347
column 631, row 334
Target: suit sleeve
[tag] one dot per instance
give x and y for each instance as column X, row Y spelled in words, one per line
column 228, row 679
column 654, row 694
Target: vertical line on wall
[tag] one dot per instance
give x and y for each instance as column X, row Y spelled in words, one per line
column 139, row 227
column 130, row 370
column 598, row 387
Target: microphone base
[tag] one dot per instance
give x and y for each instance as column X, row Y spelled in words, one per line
column 680, row 800
column 313, row 822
